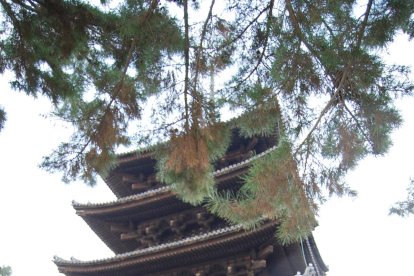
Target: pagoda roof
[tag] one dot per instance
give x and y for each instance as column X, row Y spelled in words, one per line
column 149, row 250
column 143, row 161
column 166, row 189
column 216, row 244
column 222, row 243
column 122, row 200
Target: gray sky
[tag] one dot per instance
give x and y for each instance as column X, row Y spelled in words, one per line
column 356, row 236
column 37, row 221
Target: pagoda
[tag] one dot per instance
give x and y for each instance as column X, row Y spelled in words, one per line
column 152, row 232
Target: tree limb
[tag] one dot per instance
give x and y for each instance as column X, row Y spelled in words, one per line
column 20, row 3
column 299, row 31
column 187, row 62
column 242, row 32
column 363, row 25
column 200, row 48
column 358, row 124
column 10, row 13
column 327, row 106
column 265, row 44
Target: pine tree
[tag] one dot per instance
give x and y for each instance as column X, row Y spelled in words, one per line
column 3, row 118
column 406, row 207
column 5, row 271
column 273, row 60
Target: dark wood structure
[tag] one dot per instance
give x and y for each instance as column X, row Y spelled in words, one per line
column 153, row 233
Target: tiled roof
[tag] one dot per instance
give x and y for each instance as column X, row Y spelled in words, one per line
column 161, row 247
column 124, row 199
column 168, row 188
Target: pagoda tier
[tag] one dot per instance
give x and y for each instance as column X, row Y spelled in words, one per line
column 136, row 171
column 229, row 251
column 154, row 233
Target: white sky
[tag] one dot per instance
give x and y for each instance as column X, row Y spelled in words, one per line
column 37, row 221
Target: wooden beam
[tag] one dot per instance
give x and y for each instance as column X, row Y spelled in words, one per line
column 201, row 216
column 265, row 252
column 231, row 269
column 258, row 265
column 252, row 143
column 130, row 179
column 120, row 228
column 151, row 179
column 150, row 230
column 139, row 186
column 245, row 156
column 233, row 155
column 141, row 182
column 129, row 236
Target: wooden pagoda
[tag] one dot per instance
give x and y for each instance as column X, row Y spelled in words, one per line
column 153, row 233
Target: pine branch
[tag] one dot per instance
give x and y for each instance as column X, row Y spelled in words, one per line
column 406, row 207
column 200, row 48
column 244, row 30
column 31, row 2
column 345, row 73
column 306, row 158
column 20, row 3
column 165, row 126
column 10, row 13
column 118, row 86
column 301, row 35
column 269, row 18
column 363, row 25
column 9, row 58
column 358, row 124
column 299, row 31
column 187, row 62
column 331, row 32
column 327, row 106
column 324, row 22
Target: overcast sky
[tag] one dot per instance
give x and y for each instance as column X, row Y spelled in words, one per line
column 37, row 221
